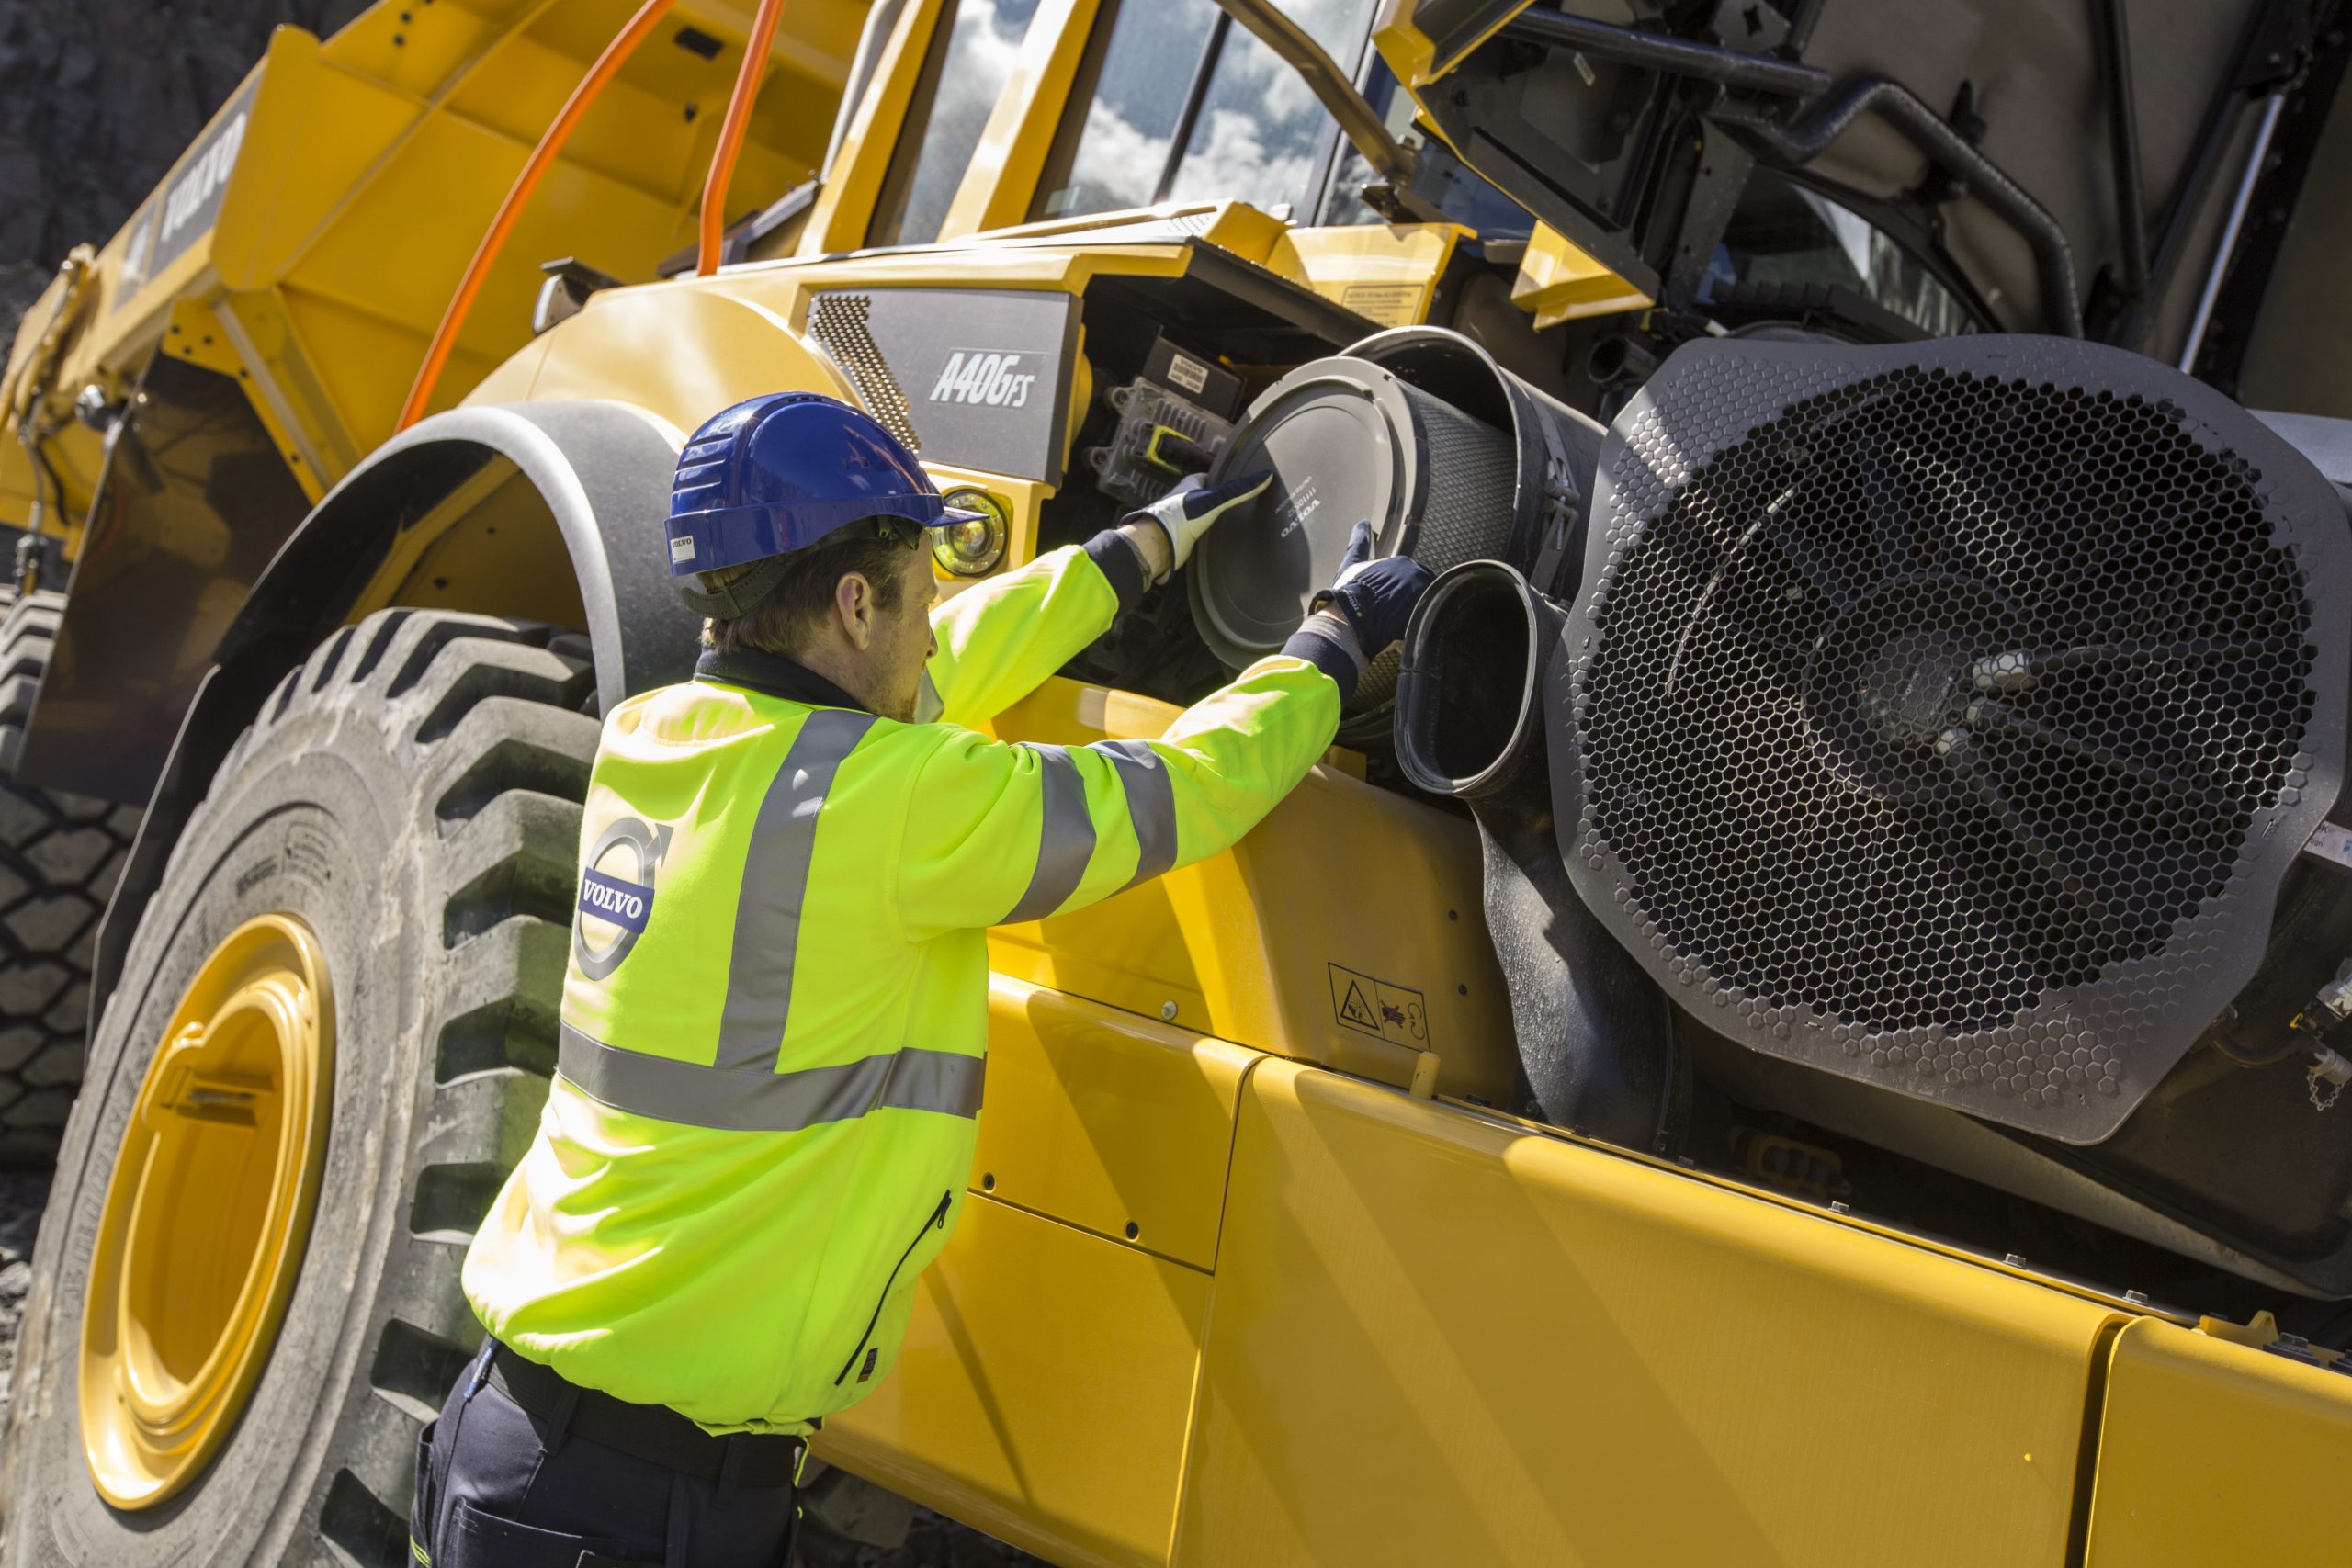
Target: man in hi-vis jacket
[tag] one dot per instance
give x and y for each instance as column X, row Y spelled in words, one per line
column 776, row 1017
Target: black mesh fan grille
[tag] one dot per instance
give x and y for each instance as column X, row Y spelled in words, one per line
column 1927, row 722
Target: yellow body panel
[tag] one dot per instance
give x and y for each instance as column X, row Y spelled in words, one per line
column 1104, row 1121
column 1043, row 1392
column 1557, row 282
column 2215, row 1452
column 1436, row 1336
column 1345, row 890
column 1437, row 1339
column 681, row 355
column 1385, row 273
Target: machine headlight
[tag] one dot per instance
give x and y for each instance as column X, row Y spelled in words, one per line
column 973, row 550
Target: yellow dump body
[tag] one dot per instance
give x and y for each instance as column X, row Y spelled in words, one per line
column 1253, row 1270
column 309, row 238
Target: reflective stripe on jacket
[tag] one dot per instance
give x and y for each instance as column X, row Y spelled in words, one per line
column 776, row 1009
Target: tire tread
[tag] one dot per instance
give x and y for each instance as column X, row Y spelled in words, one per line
column 484, row 717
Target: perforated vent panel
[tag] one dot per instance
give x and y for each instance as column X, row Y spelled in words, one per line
column 838, row 321
column 1945, row 716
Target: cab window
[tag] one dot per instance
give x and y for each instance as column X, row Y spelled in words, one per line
column 1782, row 233
column 1260, row 136
column 1459, row 191
column 1175, row 102
column 1113, row 148
column 973, row 50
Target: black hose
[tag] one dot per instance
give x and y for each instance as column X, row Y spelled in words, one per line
column 1806, row 139
column 1673, row 56
column 2123, row 130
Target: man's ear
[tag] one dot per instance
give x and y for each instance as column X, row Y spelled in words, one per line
column 854, row 608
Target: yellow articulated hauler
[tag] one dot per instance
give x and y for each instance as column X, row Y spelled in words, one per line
column 1797, row 1023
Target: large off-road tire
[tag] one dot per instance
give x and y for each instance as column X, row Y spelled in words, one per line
column 60, row 856
column 29, row 623
column 410, row 795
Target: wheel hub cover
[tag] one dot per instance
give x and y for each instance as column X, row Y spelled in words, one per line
column 207, row 1212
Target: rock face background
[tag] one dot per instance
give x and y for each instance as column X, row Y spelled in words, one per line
column 97, row 97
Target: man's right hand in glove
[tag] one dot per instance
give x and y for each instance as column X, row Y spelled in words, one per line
column 1364, row 610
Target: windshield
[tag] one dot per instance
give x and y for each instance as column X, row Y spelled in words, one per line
column 1141, row 81
column 1176, row 102
column 972, row 55
column 1783, row 233
column 1260, row 136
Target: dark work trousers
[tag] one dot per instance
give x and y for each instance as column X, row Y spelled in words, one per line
column 500, row 1487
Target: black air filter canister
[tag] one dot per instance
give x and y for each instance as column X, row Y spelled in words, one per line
column 1558, row 448
column 1346, row 441
column 1948, row 715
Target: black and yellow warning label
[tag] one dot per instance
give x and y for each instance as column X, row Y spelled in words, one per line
column 1395, row 1013
column 1390, row 304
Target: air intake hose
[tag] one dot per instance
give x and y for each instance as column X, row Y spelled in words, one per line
column 1595, row 1039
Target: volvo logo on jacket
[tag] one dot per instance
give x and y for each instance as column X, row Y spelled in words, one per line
column 618, row 902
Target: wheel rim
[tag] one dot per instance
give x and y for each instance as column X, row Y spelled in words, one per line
column 207, row 1212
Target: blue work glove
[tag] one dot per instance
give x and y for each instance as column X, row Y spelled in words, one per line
column 1378, row 596
column 1186, row 512
column 1363, row 611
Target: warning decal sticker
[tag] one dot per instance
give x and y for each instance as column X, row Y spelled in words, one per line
column 1390, row 304
column 1395, row 1013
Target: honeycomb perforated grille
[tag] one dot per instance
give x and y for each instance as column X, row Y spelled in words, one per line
column 1943, row 723
column 838, row 321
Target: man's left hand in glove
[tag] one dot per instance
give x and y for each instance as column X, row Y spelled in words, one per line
column 1184, row 513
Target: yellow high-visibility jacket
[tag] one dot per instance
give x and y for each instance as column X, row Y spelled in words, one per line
column 776, row 1010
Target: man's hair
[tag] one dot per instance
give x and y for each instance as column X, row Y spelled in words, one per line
column 783, row 622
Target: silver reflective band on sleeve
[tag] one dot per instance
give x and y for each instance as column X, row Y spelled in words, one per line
column 1065, row 837
column 1151, row 803
column 929, row 703
column 748, row 1101
column 776, row 880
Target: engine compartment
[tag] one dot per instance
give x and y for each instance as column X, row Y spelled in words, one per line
column 2220, row 1187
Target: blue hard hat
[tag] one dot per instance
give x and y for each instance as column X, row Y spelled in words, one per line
column 778, row 473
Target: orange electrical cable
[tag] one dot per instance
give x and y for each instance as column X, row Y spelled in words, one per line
column 731, row 137
column 542, row 156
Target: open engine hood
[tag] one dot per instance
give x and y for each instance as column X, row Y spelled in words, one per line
column 2064, row 169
